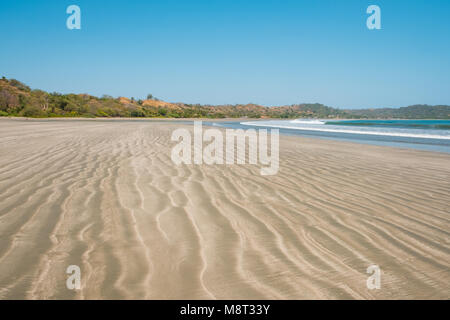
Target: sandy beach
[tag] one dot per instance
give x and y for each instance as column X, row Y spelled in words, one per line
column 105, row 196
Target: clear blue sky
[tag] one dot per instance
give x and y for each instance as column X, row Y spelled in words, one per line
column 215, row 51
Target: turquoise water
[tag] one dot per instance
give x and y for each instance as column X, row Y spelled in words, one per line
column 411, row 124
column 432, row 135
column 421, row 129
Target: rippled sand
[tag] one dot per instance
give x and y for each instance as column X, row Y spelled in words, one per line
column 105, row 196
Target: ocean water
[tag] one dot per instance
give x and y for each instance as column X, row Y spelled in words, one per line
column 432, row 135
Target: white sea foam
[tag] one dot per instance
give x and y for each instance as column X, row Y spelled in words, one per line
column 312, row 121
column 337, row 129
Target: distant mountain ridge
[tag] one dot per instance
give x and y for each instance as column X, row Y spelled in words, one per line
column 17, row 99
column 419, row 111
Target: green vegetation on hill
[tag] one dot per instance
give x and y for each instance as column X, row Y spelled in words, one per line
column 17, row 99
column 420, row 111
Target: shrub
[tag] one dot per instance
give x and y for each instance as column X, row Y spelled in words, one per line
column 7, row 100
column 33, row 112
column 19, row 85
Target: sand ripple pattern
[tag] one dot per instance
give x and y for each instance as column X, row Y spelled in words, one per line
column 104, row 195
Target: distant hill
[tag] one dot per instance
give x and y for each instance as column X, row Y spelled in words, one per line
column 420, row 111
column 17, row 99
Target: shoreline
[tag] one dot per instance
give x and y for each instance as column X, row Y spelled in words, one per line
column 283, row 131
column 224, row 119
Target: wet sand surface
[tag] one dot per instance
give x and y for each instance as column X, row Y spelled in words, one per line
column 106, row 196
